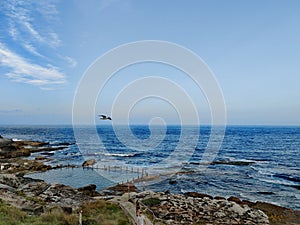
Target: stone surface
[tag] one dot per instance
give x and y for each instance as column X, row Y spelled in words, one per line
column 34, row 196
column 89, row 190
column 13, row 149
column 89, row 162
column 193, row 208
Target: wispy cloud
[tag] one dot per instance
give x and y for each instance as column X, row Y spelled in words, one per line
column 33, row 19
column 13, row 32
column 72, row 62
column 27, row 72
column 32, row 50
column 9, row 111
column 31, row 31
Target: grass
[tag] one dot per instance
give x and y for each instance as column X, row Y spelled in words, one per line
column 94, row 213
column 10, row 215
column 101, row 212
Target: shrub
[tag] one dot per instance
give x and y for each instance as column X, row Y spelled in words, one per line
column 150, row 202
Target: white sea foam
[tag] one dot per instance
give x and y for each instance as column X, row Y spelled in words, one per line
column 120, row 154
column 16, row 139
column 273, row 181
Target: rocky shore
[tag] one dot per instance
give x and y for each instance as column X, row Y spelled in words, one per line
column 36, row 196
column 196, row 208
column 13, row 149
column 31, row 195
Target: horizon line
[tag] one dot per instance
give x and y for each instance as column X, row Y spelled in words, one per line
column 144, row 124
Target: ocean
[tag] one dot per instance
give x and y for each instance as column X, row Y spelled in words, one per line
column 256, row 163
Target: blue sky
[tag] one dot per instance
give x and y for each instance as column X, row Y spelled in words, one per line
column 252, row 47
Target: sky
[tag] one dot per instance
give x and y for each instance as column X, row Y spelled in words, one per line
column 252, row 48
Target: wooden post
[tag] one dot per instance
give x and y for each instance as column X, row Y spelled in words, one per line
column 128, row 187
column 80, row 217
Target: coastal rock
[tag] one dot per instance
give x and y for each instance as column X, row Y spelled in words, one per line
column 9, row 149
column 219, row 198
column 278, row 215
column 193, row 208
column 11, row 180
column 172, row 181
column 197, row 195
column 120, row 189
column 89, row 190
column 5, row 142
column 235, row 163
column 90, row 187
column 235, row 199
column 31, row 143
column 34, row 188
column 40, row 158
column 14, row 149
column 34, row 196
column 21, row 166
column 6, row 187
column 63, row 195
column 21, row 202
column 89, row 162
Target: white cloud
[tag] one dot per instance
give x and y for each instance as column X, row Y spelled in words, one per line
column 72, row 62
column 31, row 28
column 33, row 32
column 32, row 49
column 13, row 32
column 34, row 20
column 54, row 40
column 26, row 72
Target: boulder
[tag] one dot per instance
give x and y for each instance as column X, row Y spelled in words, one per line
column 120, row 189
column 90, row 187
column 219, row 198
column 197, row 195
column 234, row 199
column 7, row 148
column 89, row 190
column 172, row 181
column 89, row 162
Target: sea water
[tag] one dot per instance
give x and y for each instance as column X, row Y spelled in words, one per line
column 257, row 163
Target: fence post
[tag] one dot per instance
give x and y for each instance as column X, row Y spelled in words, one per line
column 80, row 217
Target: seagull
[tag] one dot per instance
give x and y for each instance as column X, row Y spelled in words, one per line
column 103, row 117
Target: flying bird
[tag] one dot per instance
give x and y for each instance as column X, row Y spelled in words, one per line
column 104, row 117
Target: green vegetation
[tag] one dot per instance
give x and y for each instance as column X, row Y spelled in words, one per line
column 102, row 212
column 11, row 215
column 150, row 202
column 94, row 213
